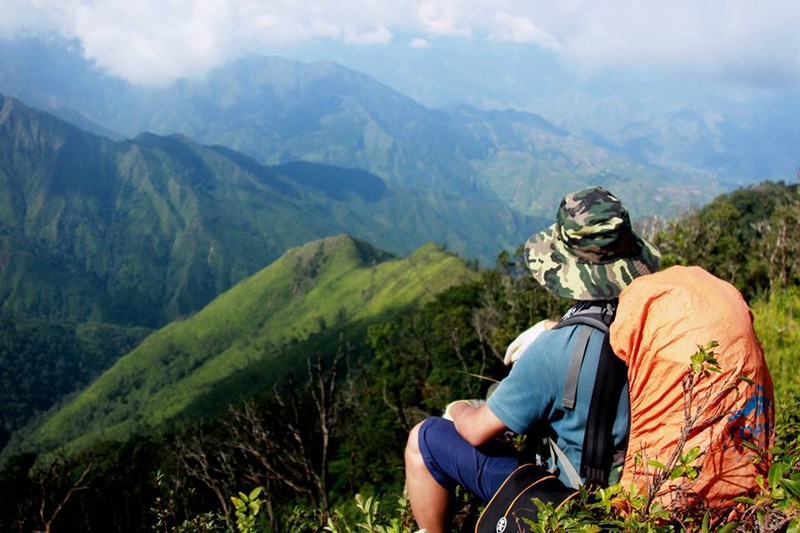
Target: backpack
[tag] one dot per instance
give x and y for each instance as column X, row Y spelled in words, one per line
column 513, row 503
column 662, row 320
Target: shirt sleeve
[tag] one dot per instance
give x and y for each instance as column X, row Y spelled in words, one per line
column 526, row 395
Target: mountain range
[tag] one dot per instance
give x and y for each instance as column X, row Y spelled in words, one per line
column 148, row 230
column 276, row 111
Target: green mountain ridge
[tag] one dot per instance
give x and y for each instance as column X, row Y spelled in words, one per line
column 151, row 229
column 316, row 292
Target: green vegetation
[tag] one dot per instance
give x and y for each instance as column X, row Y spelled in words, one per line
column 745, row 237
column 327, row 288
column 293, row 456
column 777, row 320
column 41, row 362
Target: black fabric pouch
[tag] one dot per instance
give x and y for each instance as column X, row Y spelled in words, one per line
column 513, row 503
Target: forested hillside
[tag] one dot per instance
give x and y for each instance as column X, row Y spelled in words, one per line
column 42, row 362
column 146, row 231
column 250, row 338
column 338, row 427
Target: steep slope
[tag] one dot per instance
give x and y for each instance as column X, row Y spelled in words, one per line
column 148, row 230
column 239, row 343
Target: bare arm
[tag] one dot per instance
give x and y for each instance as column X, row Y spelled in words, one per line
column 477, row 425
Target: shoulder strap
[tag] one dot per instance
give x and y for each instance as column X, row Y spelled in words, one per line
column 598, row 443
column 595, row 316
column 598, row 451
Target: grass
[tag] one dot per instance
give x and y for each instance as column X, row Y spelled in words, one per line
column 777, row 322
column 322, row 287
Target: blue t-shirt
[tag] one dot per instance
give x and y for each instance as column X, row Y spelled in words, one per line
column 533, row 391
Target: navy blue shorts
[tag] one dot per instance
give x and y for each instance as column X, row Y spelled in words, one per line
column 451, row 460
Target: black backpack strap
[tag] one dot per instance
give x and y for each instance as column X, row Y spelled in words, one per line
column 598, row 450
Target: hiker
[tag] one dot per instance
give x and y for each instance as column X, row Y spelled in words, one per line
column 590, row 255
column 661, row 321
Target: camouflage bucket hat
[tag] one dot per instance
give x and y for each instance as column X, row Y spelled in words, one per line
column 591, row 252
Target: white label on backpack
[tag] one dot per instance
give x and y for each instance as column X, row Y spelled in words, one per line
column 501, row 525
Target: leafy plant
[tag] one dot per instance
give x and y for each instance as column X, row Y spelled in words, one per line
column 247, row 507
column 367, row 517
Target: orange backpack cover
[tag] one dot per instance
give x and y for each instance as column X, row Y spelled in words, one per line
column 661, row 320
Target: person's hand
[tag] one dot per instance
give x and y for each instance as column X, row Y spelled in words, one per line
column 448, row 414
column 521, row 343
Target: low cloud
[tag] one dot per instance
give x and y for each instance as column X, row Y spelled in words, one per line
column 716, row 37
column 419, row 43
column 155, row 41
column 521, row 30
column 443, row 17
column 380, row 35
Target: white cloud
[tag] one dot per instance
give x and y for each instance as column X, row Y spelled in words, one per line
column 518, row 29
column 442, row 17
column 21, row 17
column 160, row 40
column 721, row 37
column 419, row 43
column 379, row 35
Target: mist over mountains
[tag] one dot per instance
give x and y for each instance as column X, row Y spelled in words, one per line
column 276, row 110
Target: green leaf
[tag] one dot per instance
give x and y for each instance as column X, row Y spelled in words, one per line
column 255, row 493
column 792, row 486
column 751, row 445
column 677, row 472
column 706, row 525
column 693, row 454
column 776, row 473
column 656, row 463
column 727, row 528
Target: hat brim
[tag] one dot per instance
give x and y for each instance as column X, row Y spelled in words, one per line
column 565, row 274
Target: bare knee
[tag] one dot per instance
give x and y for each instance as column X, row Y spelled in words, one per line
column 412, row 445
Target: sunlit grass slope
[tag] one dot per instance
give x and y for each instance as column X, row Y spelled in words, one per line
column 777, row 322
column 317, row 289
